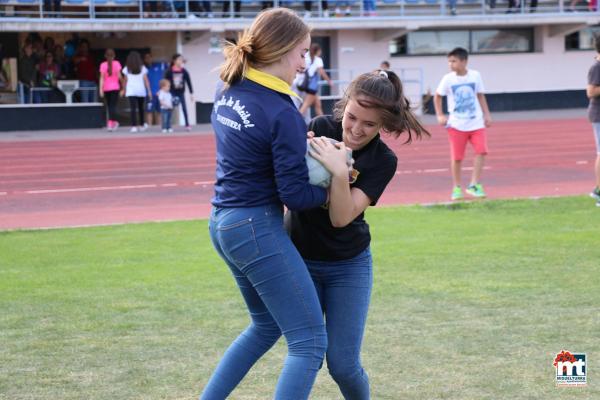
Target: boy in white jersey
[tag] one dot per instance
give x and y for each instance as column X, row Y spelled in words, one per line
column 469, row 116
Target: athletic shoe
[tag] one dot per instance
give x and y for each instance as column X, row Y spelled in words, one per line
column 170, row 130
column 188, row 128
column 115, row 125
column 598, row 203
column 133, row 129
column 475, row 190
column 144, row 127
column 164, row 131
column 457, row 193
column 595, row 194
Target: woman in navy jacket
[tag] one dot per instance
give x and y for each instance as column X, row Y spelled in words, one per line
column 261, row 143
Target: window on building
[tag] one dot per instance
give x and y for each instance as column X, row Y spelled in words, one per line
column 476, row 41
column 583, row 39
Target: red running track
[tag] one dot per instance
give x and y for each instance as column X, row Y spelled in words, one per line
column 59, row 183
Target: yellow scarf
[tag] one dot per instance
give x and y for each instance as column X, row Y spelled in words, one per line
column 269, row 81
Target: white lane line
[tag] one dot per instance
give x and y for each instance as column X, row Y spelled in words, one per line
column 435, row 170
column 168, row 184
column 90, row 189
column 3, row 193
column 204, row 183
column 581, row 162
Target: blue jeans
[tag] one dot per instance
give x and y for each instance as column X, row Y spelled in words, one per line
column 344, row 289
column 165, row 118
column 596, row 126
column 88, row 94
column 280, row 296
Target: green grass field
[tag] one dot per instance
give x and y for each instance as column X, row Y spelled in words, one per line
column 470, row 301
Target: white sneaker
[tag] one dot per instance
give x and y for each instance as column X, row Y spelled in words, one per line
column 134, row 129
column 192, row 16
column 164, row 131
column 143, row 128
column 170, row 130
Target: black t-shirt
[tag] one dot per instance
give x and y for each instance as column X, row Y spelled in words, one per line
column 594, row 79
column 311, row 230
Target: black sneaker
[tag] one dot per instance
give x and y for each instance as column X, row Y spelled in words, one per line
column 595, row 194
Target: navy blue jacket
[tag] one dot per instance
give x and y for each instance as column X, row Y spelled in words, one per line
column 261, row 143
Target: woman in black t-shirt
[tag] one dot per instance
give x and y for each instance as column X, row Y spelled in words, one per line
column 334, row 241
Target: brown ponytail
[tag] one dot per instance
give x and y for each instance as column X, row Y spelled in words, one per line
column 109, row 54
column 273, row 34
column 382, row 90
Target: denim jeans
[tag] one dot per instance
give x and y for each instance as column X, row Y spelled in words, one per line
column 344, row 289
column 88, row 92
column 280, row 296
column 165, row 118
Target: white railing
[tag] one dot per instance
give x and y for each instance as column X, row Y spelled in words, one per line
column 220, row 9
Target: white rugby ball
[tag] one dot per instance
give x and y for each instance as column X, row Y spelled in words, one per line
column 317, row 173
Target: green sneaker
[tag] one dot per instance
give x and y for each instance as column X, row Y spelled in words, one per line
column 457, row 193
column 595, row 194
column 475, row 190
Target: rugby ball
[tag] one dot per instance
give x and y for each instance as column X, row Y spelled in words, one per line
column 317, row 173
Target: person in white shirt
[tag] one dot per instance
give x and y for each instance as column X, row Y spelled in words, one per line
column 310, row 84
column 165, row 98
column 469, row 115
column 137, row 89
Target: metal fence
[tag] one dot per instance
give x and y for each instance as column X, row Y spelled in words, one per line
column 175, row 9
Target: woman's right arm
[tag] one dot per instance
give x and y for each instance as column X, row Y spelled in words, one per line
column 288, row 146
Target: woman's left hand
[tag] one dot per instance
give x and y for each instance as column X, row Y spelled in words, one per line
column 332, row 156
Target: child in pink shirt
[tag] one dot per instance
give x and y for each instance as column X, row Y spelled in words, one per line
column 110, row 85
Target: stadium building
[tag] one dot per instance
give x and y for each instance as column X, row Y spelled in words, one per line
column 531, row 56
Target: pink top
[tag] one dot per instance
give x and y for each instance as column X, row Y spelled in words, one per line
column 111, row 82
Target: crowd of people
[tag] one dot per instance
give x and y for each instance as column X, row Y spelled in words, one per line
column 153, row 89
column 43, row 62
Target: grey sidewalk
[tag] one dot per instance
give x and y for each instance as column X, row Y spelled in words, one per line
column 202, row 129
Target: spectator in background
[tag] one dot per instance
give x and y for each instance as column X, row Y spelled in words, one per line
column 315, row 70
column 49, row 44
column 308, row 6
column 237, row 5
column 156, row 72
column 593, row 93
column 110, row 86
column 48, row 72
column 385, row 65
column 52, row 8
column 59, row 58
column 338, row 8
column 202, row 7
column 137, row 88
column 38, row 48
column 85, row 71
column 27, row 73
column 179, row 78
column 165, row 99
column 452, row 6
column 369, row 7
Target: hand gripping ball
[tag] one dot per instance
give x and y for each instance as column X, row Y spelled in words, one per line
column 317, row 173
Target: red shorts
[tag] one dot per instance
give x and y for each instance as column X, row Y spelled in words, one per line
column 459, row 139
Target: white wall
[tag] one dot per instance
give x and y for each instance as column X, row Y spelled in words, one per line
column 552, row 69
